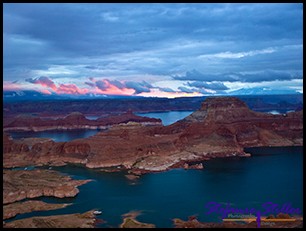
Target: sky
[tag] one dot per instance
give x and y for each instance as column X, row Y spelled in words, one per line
column 161, row 50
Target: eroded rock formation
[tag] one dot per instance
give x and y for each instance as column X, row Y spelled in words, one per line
column 193, row 222
column 222, row 127
column 74, row 120
column 22, row 184
column 84, row 220
column 11, row 210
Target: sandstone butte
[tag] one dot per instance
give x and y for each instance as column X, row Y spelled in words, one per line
column 222, row 127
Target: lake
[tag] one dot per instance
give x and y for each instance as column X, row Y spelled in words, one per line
column 68, row 135
column 167, row 118
column 270, row 175
column 56, row 135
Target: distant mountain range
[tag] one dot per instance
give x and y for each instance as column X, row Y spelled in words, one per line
column 261, row 91
column 30, row 95
column 20, row 102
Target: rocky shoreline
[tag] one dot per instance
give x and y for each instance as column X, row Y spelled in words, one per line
column 84, row 220
column 21, row 184
column 222, row 127
column 13, row 209
column 268, row 222
column 74, row 121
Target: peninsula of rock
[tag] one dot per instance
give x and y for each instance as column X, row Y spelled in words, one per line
column 222, row 127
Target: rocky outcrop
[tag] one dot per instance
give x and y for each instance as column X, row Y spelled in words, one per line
column 74, row 120
column 222, row 127
column 22, row 184
column 193, row 222
column 146, row 104
column 129, row 221
column 11, row 210
column 193, row 166
column 131, row 177
column 84, row 220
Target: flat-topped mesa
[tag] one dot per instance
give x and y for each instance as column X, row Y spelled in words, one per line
column 223, row 109
column 221, row 102
column 222, row 127
column 75, row 115
column 75, row 120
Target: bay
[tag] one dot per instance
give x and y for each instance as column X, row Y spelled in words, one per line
column 271, row 174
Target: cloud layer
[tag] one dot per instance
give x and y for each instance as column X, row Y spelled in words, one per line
column 131, row 48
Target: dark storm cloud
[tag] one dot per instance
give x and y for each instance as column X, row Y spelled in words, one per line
column 212, row 86
column 102, row 85
column 43, row 80
column 260, row 76
column 219, row 42
column 90, row 84
column 117, row 84
column 106, row 84
column 185, row 89
column 139, row 87
column 166, row 89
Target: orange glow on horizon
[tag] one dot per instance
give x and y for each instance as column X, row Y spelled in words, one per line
column 8, row 86
column 158, row 93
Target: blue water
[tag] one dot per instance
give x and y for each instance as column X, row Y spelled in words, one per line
column 92, row 117
column 68, row 135
column 270, row 175
column 167, row 117
column 56, row 135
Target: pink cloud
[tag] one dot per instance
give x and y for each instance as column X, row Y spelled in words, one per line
column 43, row 81
column 98, row 87
column 112, row 87
column 9, row 86
column 71, row 89
column 45, row 91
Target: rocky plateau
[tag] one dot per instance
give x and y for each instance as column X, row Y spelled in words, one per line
column 222, row 127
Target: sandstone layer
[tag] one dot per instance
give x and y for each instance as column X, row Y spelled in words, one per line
column 84, row 220
column 74, row 120
column 193, row 222
column 129, row 221
column 11, row 210
column 22, row 184
column 222, row 127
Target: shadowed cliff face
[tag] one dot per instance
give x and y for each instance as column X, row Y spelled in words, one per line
column 222, row 127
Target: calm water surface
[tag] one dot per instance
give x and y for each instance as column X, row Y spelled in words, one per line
column 56, row 135
column 68, row 135
column 167, row 117
column 271, row 174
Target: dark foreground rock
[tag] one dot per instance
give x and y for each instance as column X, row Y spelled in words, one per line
column 193, row 222
column 129, row 221
column 22, row 184
column 84, row 220
column 11, row 210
